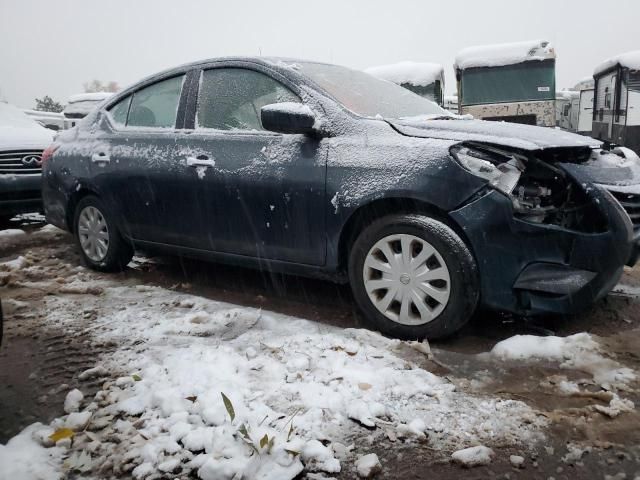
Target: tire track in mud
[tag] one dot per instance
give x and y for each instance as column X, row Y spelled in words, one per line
column 37, row 373
column 40, row 363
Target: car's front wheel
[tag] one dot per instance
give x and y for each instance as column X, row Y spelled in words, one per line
column 101, row 245
column 413, row 277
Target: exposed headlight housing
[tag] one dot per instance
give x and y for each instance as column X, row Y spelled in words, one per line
column 501, row 169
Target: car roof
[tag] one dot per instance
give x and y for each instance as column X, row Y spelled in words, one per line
column 283, row 65
column 278, row 63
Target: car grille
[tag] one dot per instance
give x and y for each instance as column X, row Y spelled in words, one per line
column 631, row 204
column 21, row 162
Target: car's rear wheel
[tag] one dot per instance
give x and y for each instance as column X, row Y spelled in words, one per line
column 100, row 243
column 413, row 277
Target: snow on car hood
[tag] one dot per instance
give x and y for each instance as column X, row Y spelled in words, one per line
column 525, row 137
column 17, row 138
column 17, row 131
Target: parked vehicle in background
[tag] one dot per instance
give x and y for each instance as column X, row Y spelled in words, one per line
column 80, row 105
column 511, row 82
column 424, row 79
column 315, row 169
column 567, row 108
column 22, row 141
column 51, row 120
column 451, row 103
column 616, row 118
column 585, row 106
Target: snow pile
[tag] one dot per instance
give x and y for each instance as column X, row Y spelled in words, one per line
column 419, row 74
column 24, row 458
column 210, row 389
column 630, row 60
column 73, row 400
column 503, row 54
column 576, row 352
column 473, row 456
column 13, row 265
column 368, row 465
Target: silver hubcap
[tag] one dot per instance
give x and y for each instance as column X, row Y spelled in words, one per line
column 406, row 279
column 93, row 233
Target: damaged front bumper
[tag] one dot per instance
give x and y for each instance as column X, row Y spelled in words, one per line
column 531, row 268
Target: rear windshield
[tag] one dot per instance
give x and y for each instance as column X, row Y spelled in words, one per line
column 366, row 95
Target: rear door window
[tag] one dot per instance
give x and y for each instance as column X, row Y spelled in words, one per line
column 231, row 98
column 156, row 105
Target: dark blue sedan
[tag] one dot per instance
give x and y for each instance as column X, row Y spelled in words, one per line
column 320, row 170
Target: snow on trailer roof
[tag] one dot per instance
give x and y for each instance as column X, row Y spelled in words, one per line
column 630, row 60
column 504, row 54
column 419, row 74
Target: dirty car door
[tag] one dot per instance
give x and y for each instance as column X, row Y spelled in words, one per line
column 263, row 192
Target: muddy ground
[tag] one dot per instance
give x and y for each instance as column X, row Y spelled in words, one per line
column 39, row 364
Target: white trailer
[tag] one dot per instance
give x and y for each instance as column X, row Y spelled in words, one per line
column 616, row 115
column 585, row 106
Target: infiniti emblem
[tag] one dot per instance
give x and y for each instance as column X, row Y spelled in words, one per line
column 32, row 161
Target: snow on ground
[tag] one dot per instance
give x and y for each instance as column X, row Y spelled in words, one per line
column 221, row 391
column 214, row 390
column 576, row 352
column 11, row 233
column 24, row 458
column 579, row 352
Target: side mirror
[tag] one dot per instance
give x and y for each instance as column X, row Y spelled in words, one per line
column 288, row 117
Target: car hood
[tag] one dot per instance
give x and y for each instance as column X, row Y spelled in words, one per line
column 25, row 138
column 524, row 137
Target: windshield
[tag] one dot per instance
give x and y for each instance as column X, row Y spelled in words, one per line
column 368, row 96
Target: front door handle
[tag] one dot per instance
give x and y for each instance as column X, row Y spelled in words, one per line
column 100, row 157
column 200, row 161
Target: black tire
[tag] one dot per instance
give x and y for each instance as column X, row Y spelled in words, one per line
column 119, row 251
column 464, row 283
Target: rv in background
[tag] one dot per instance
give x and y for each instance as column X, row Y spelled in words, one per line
column 425, row 79
column 50, row 120
column 79, row 106
column 585, row 106
column 451, row 103
column 567, row 108
column 513, row 82
column 616, row 116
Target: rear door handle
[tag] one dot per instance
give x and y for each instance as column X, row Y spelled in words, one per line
column 100, row 157
column 201, row 161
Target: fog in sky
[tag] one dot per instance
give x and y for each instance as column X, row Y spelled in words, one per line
column 53, row 47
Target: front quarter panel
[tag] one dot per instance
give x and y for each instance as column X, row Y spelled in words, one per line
column 364, row 168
